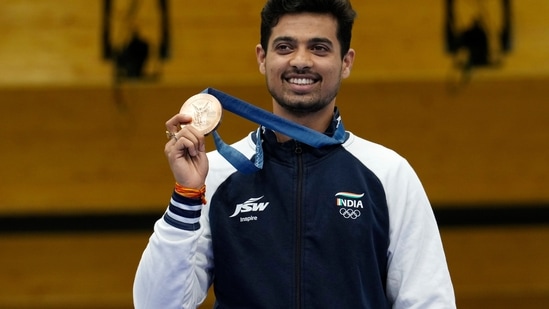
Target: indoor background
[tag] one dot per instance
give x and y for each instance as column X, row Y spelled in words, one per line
column 458, row 87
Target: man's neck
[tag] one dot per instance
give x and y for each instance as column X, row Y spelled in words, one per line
column 318, row 121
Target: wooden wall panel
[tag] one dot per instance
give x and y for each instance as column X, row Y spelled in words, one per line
column 78, row 150
column 59, row 41
column 61, row 271
column 491, row 268
column 70, row 143
column 487, row 143
column 498, row 267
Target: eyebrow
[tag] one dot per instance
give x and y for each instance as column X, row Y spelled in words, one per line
column 322, row 40
column 283, row 39
column 293, row 40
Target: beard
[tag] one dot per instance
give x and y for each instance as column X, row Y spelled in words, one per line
column 302, row 104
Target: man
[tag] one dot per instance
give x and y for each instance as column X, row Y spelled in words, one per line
column 340, row 226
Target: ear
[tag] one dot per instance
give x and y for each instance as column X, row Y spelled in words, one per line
column 347, row 65
column 260, row 55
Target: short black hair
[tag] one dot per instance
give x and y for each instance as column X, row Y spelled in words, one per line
column 340, row 9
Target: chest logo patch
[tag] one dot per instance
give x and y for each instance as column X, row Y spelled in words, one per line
column 350, row 204
column 252, row 205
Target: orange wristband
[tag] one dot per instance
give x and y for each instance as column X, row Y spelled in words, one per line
column 191, row 193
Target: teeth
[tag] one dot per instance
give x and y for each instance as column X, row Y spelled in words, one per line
column 301, row 81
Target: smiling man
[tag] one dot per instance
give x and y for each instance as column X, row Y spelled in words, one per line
column 346, row 225
column 303, row 64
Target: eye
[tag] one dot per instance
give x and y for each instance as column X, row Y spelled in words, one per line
column 320, row 49
column 283, row 48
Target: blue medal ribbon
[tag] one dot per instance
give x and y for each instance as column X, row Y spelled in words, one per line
column 271, row 121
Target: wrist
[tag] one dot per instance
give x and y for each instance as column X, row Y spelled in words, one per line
column 191, row 193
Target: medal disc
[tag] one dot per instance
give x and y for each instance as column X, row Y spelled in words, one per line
column 206, row 111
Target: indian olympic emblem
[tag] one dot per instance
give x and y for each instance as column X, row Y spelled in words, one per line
column 349, row 213
column 350, row 204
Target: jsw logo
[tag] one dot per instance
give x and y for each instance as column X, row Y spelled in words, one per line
column 250, row 205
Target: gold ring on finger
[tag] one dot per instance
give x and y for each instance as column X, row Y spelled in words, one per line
column 170, row 135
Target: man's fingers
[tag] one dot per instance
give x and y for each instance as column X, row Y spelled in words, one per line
column 174, row 124
column 189, row 139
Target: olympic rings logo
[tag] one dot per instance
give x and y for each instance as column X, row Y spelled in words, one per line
column 349, row 213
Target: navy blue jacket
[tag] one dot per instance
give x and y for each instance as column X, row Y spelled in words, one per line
column 309, row 230
column 345, row 226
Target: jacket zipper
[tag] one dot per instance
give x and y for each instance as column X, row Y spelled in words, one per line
column 298, row 226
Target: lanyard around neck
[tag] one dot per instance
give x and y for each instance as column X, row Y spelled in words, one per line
column 271, row 121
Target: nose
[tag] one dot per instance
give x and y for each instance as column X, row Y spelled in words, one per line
column 301, row 59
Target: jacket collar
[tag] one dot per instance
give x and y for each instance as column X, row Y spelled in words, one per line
column 271, row 145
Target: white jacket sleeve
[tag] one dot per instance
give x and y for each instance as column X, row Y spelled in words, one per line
column 176, row 266
column 418, row 275
column 176, row 269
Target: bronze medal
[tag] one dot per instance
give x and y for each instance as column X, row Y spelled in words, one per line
column 206, row 111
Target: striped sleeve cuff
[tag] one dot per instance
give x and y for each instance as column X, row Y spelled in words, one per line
column 184, row 213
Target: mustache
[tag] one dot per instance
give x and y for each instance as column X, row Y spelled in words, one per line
column 304, row 72
column 299, row 71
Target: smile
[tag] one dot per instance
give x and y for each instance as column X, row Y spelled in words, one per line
column 301, row 81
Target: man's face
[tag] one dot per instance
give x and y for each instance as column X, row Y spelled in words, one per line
column 303, row 66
